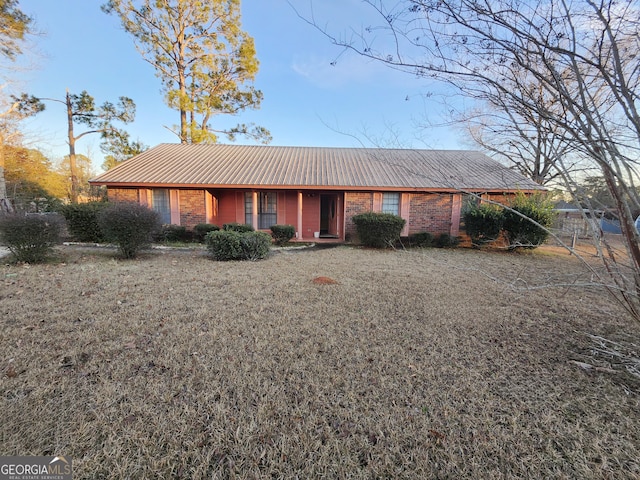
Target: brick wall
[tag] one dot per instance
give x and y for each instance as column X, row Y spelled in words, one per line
column 502, row 198
column 122, row 194
column 191, row 203
column 430, row 212
column 355, row 203
column 192, row 208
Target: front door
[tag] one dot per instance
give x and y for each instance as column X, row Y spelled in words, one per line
column 329, row 214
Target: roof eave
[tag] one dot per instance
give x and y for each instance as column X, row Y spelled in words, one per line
column 351, row 188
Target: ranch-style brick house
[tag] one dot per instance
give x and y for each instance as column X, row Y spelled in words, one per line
column 317, row 190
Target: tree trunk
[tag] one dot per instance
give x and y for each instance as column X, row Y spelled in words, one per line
column 627, row 225
column 72, row 152
column 5, row 203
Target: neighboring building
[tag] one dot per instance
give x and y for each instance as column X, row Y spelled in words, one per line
column 317, row 190
column 573, row 220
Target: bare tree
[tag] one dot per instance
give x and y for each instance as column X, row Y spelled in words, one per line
column 518, row 55
column 521, row 139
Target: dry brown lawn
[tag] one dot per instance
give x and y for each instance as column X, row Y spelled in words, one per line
column 413, row 364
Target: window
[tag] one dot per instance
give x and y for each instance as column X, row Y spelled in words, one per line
column 267, row 209
column 162, row 204
column 391, row 203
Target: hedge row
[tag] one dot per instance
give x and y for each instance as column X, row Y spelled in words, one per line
column 524, row 224
column 378, row 230
column 227, row 245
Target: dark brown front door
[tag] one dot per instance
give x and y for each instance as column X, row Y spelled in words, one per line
column 329, row 214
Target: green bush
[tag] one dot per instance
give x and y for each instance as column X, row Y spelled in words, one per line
column 129, row 226
column 227, row 245
column 224, row 245
column 282, row 233
column 421, row 239
column 173, row 233
column 82, row 221
column 31, row 237
column 483, row 223
column 200, row 230
column 444, row 240
column 521, row 232
column 255, row 245
column 237, row 227
column 378, row 230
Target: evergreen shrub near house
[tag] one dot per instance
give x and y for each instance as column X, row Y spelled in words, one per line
column 130, row 226
column 255, row 245
column 31, row 237
column 282, row 233
column 378, row 230
column 421, row 239
column 173, row 233
column 520, row 231
column 224, row 245
column 200, row 230
column 82, row 221
column 483, row 223
column 444, row 240
column 238, row 227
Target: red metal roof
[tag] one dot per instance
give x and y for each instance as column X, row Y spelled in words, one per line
column 259, row 166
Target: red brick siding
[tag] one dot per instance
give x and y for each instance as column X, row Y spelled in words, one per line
column 502, row 198
column 192, row 208
column 123, row 195
column 355, row 203
column 430, row 212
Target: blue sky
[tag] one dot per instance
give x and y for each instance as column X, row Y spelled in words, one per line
column 307, row 101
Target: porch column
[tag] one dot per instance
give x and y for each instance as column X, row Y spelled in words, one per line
column 456, row 206
column 254, row 211
column 299, row 215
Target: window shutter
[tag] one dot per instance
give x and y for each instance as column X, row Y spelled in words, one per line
column 174, row 199
column 377, row 202
column 405, row 203
column 144, row 197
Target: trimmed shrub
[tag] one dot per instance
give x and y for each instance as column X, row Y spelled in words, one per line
column 200, row 230
column 282, row 233
column 255, row 245
column 31, row 237
column 227, row 245
column 421, row 239
column 521, row 232
column 173, row 233
column 444, row 240
column 82, row 221
column 129, row 226
column 483, row 223
column 237, row 227
column 224, row 245
column 378, row 230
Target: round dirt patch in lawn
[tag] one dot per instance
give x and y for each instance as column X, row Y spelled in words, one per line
column 324, row 281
